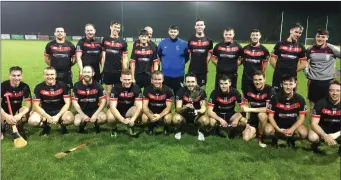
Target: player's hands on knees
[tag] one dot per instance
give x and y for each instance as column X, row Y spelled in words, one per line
column 10, row 119
column 93, row 118
column 282, row 131
column 55, row 119
column 85, row 118
column 17, row 118
column 156, row 117
column 223, row 123
column 126, row 121
column 329, row 140
column 234, row 123
column 288, row 132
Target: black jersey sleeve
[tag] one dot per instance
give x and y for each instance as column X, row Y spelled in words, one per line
column 302, row 109
column 272, row 105
column 101, row 91
column 239, row 98
column 47, row 51
column 316, row 112
column 27, row 92
column 73, row 48
column 275, row 52
column 215, row 51
column 202, row 95
column 302, row 55
column 169, row 94
column 2, row 90
column 271, row 93
column 266, row 54
column 180, row 94
column 114, row 93
column 80, row 46
column 133, row 56
column 137, row 92
column 66, row 92
column 240, row 50
column 213, row 98
column 36, row 96
column 74, row 92
column 210, row 47
column 125, row 47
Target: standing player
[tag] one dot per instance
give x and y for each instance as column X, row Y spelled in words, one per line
column 258, row 96
column 255, row 57
column 157, row 103
column 60, row 54
column 150, row 42
column 286, row 54
column 227, row 57
column 173, row 54
column 51, row 103
column 221, row 107
column 88, row 52
column 115, row 58
column 125, row 104
column 143, row 61
column 286, row 114
column 18, row 92
column 190, row 107
column 321, row 67
column 326, row 119
column 200, row 49
column 88, row 100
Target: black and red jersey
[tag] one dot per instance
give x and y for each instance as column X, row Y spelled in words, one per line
column 225, row 102
column 259, row 98
column 199, row 49
column 288, row 54
column 329, row 114
column 125, row 97
column 51, row 97
column 254, row 58
column 88, row 96
column 151, row 43
column 60, row 54
column 91, row 51
column 286, row 111
column 185, row 96
column 16, row 95
column 114, row 49
column 227, row 54
column 144, row 58
column 158, row 97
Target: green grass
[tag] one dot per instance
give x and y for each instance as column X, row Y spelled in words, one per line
column 147, row 157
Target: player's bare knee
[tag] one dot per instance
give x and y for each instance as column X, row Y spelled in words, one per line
column 302, row 132
column 34, row 119
column 213, row 122
column 177, row 119
column 313, row 137
column 144, row 119
column 168, row 118
column 110, row 117
column 78, row 120
column 269, row 130
column 68, row 118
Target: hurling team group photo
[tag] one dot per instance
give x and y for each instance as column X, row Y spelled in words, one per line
column 161, row 88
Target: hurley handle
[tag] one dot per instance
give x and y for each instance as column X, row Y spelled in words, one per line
column 9, row 103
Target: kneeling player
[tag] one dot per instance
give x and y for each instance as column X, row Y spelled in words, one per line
column 326, row 120
column 55, row 100
column 157, row 103
column 191, row 106
column 221, row 107
column 17, row 92
column 89, row 100
column 258, row 96
column 125, row 104
column 286, row 114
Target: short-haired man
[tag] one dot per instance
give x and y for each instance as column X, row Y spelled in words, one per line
column 17, row 91
column 326, row 119
column 286, row 55
column 286, row 114
column 51, row 103
column 321, row 66
column 60, row 54
column 89, row 100
column 173, row 54
column 257, row 96
column 157, row 104
column 190, row 107
column 221, row 108
column 125, row 104
column 143, row 61
column 200, row 48
column 89, row 51
column 114, row 57
column 227, row 57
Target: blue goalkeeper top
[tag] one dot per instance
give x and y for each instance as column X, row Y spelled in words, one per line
column 173, row 54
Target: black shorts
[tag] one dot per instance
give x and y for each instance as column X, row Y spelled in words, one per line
column 111, row 78
column 66, row 77
column 317, row 90
column 226, row 116
column 253, row 120
column 233, row 76
column 143, row 80
column 201, row 79
column 52, row 112
column 123, row 110
column 331, row 129
column 174, row 83
column 285, row 124
column 89, row 113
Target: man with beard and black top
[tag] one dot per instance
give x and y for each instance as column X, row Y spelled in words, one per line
column 287, row 113
column 88, row 100
column 143, row 61
column 88, row 52
column 255, row 57
column 60, row 54
column 190, row 107
column 221, row 108
column 227, row 57
column 200, row 49
column 115, row 57
column 18, row 92
column 326, row 119
column 257, row 96
column 321, row 66
column 125, row 104
column 51, row 102
column 173, row 54
column 286, row 54
column 157, row 104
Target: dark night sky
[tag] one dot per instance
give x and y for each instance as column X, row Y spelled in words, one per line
column 43, row 17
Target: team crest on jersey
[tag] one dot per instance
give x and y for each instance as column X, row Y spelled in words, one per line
column 177, row 48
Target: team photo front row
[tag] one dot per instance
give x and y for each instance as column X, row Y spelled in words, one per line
column 259, row 112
